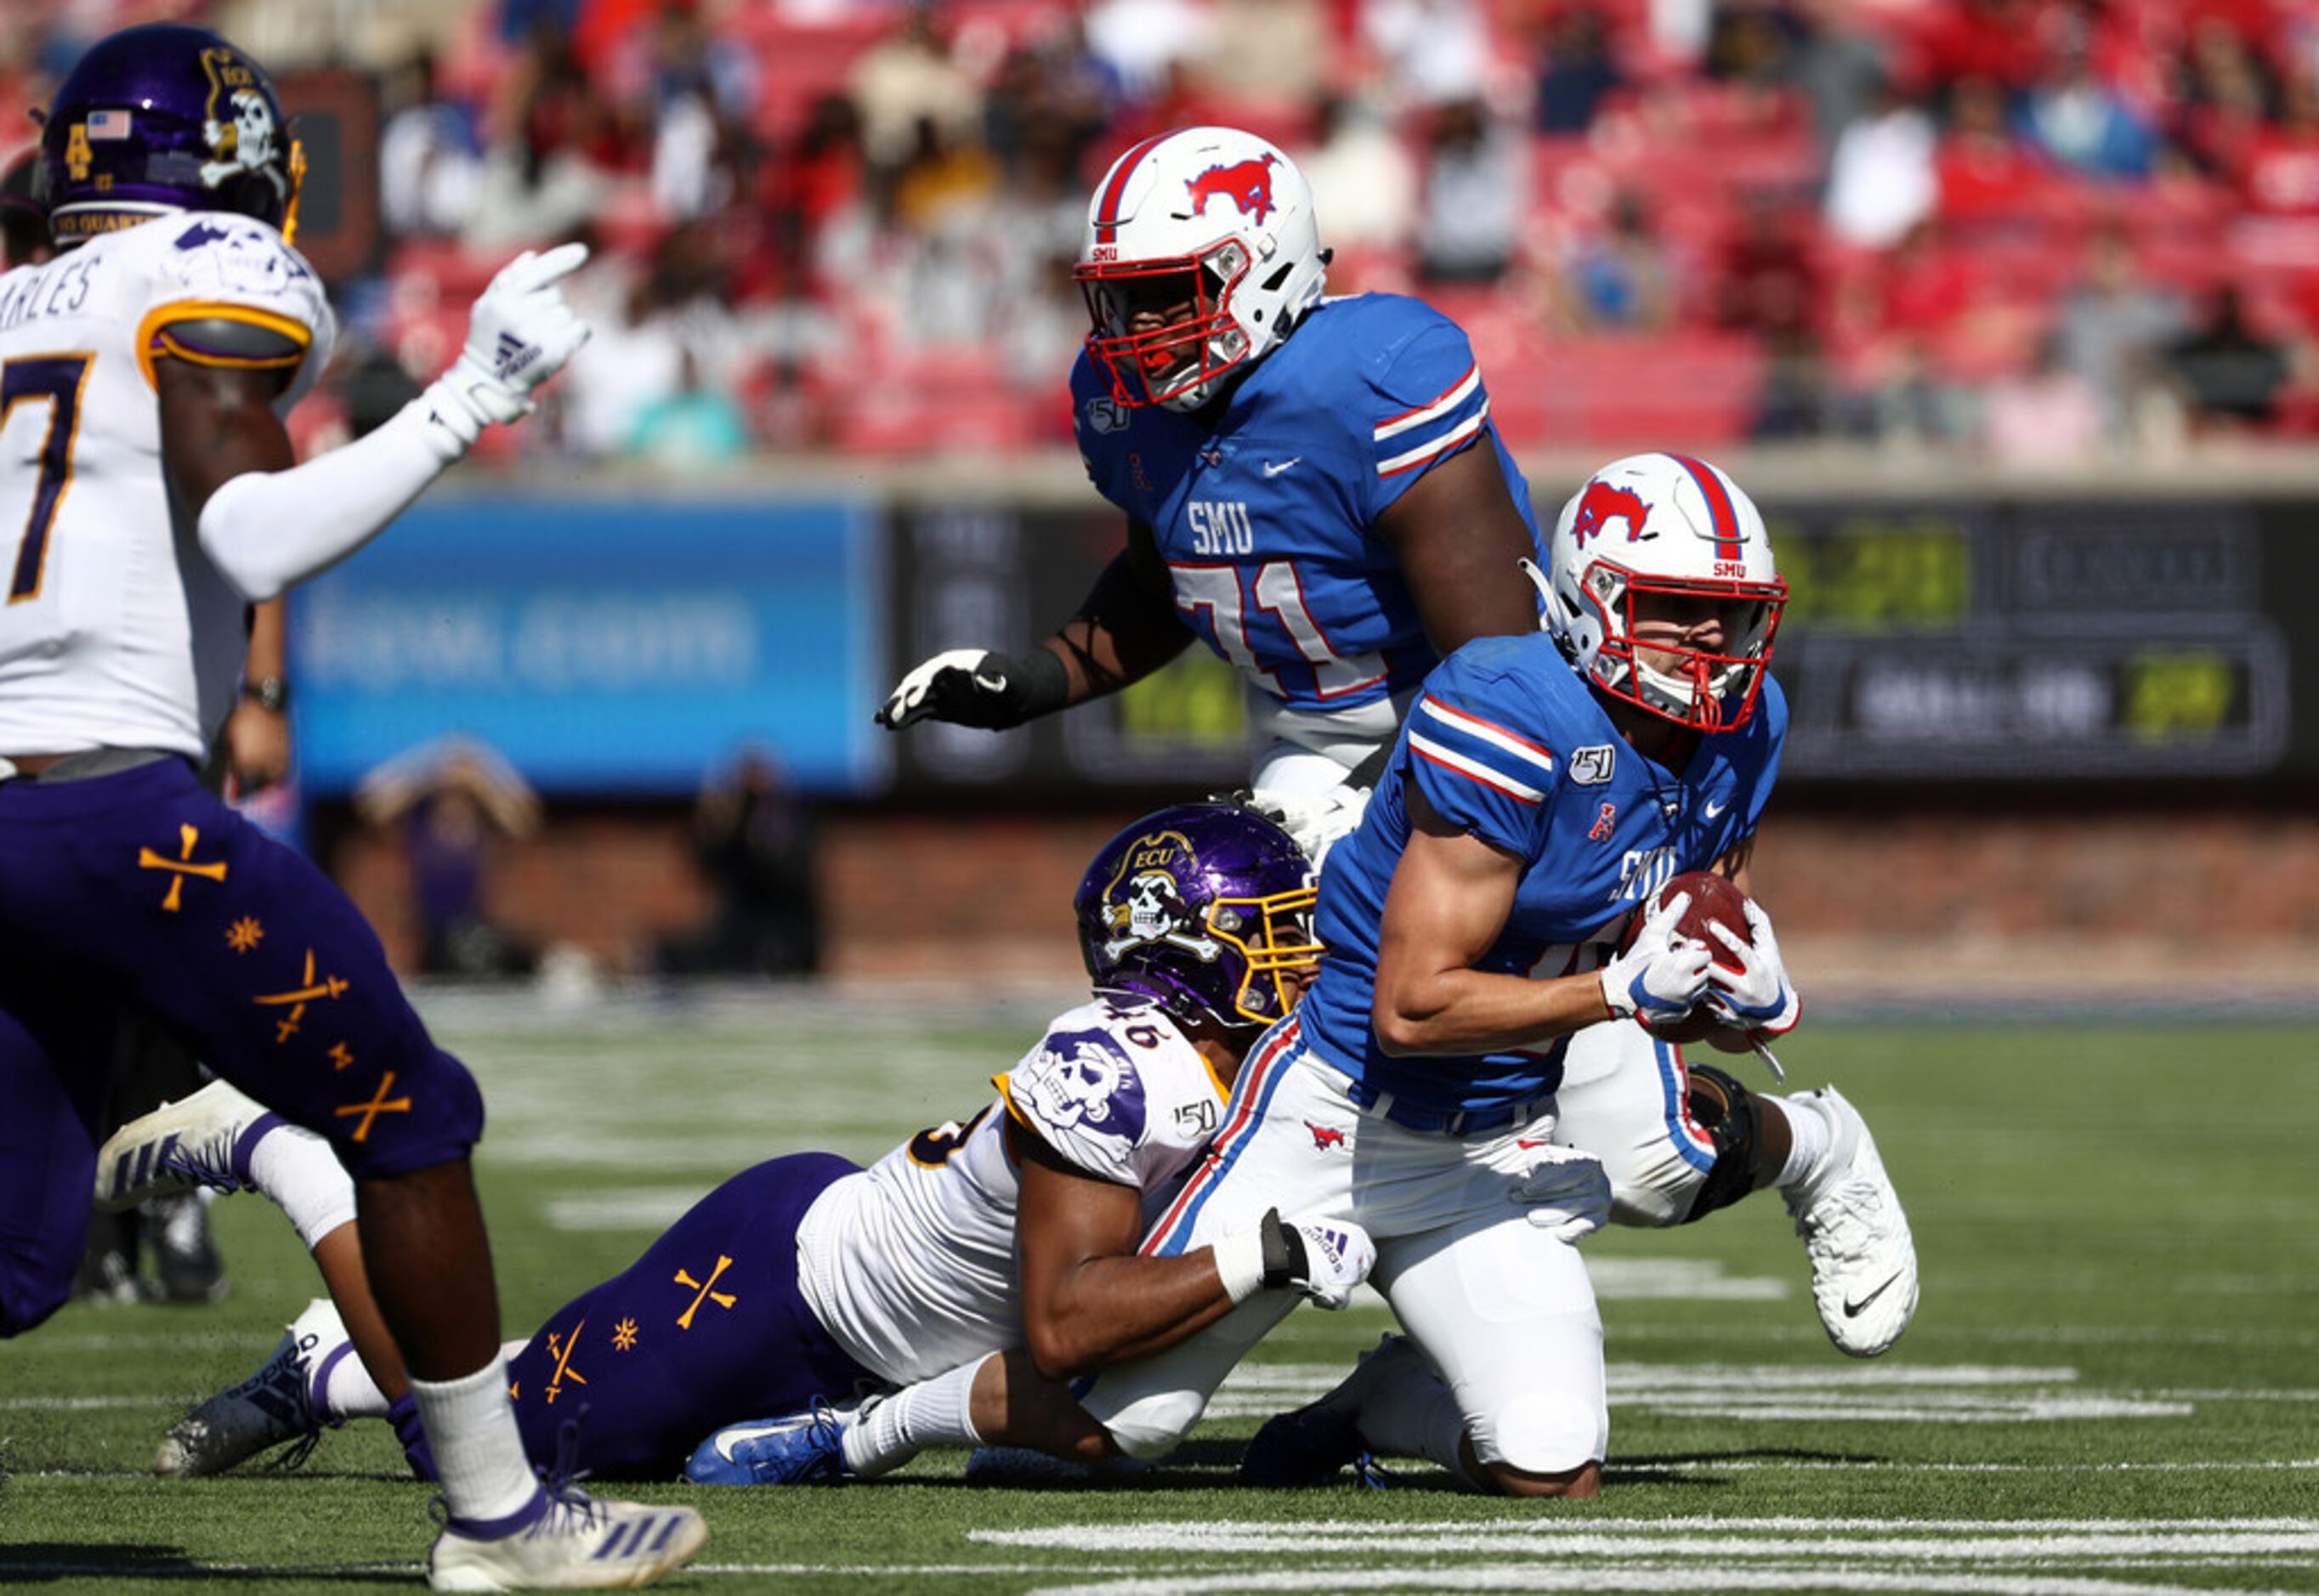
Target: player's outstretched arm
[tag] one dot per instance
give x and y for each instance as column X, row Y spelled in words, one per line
column 269, row 522
column 1090, row 1301
column 1460, row 540
column 1125, row 629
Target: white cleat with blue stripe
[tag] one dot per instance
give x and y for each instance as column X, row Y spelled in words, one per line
column 576, row 1543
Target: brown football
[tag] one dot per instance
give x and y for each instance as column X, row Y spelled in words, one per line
column 1713, row 898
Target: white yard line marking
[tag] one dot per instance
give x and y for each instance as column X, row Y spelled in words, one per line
column 1651, row 1582
column 1691, row 1555
column 1904, row 1393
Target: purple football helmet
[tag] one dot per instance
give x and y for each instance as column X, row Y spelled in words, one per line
column 165, row 118
column 1205, row 908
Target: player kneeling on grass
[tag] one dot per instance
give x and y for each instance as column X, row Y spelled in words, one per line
column 953, row 1284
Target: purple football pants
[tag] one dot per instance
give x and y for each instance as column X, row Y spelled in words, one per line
column 141, row 890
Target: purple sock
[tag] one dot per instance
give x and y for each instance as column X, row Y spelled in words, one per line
column 403, row 1412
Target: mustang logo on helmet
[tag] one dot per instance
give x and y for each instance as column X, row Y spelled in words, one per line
column 1602, row 504
column 1246, row 183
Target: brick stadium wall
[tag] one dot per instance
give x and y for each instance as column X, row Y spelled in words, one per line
column 2124, row 899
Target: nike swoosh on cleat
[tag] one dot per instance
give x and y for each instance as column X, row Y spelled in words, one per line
column 1853, row 1310
column 727, row 1440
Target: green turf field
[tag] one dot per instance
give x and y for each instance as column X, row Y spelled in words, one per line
column 2110, row 1387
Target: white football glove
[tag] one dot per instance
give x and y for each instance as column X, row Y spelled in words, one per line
column 1759, row 997
column 1321, row 1259
column 519, row 334
column 1659, row 979
column 1566, row 1192
column 978, row 687
column 1317, row 820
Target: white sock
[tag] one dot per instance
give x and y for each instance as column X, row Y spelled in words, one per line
column 343, row 1388
column 1809, row 1136
column 299, row 1171
column 1410, row 1413
column 478, row 1451
column 936, row 1412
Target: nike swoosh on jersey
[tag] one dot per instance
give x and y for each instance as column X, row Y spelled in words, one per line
column 1713, row 810
column 1273, row 470
column 1853, row 1310
column 727, row 1440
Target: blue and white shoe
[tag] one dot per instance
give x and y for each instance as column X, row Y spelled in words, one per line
column 804, row 1448
column 273, row 1405
column 202, row 1139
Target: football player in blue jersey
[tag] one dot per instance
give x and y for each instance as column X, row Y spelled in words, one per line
column 1544, row 789
column 1311, row 485
column 957, row 1283
column 145, row 372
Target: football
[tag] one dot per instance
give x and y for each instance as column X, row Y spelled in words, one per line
column 1713, row 899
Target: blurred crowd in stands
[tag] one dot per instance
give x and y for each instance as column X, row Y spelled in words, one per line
column 2037, row 232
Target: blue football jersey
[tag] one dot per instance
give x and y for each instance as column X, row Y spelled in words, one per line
column 1265, row 519
column 1508, row 744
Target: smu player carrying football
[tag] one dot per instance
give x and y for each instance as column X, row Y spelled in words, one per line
column 1306, row 481
column 144, row 372
column 959, row 1280
column 1544, row 789
column 1311, row 485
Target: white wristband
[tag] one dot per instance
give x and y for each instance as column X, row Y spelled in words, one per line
column 1240, row 1264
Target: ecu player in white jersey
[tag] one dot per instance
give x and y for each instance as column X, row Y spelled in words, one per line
column 144, row 373
column 955, row 1283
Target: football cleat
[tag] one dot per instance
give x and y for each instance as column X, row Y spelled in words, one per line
column 1863, row 1260
column 201, row 1140
column 1309, row 1445
column 804, row 1448
column 575, row 1543
column 273, row 1405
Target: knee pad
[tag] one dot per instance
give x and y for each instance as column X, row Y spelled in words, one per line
column 1151, row 1426
column 1542, row 1433
column 1731, row 1115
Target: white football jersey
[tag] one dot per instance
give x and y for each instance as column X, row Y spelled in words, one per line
column 116, row 630
column 910, row 1265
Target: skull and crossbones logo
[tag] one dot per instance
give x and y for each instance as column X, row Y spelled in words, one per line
column 1151, row 909
column 243, row 144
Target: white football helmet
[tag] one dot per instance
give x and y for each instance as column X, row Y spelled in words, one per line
column 1669, row 527
column 1200, row 253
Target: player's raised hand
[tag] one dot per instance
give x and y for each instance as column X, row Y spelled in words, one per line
column 977, row 687
column 1661, row 975
column 1322, row 1260
column 1758, row 995
column 1567, row 1191
column 519, row 334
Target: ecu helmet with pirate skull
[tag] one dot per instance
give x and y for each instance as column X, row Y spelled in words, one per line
column 1211, row 221
column 165, row 118
column 1674, row 526
column 1203, row 908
